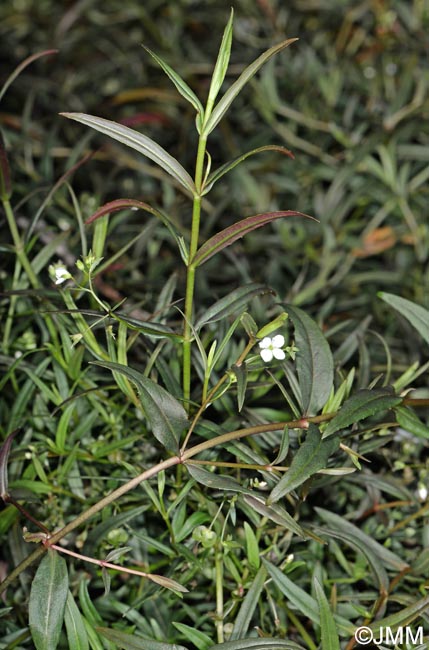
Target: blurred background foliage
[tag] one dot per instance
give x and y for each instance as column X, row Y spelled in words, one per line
column 350, row 99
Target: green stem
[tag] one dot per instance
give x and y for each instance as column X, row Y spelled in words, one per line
column 190, row 278
column 219, row 592
column 152, row 471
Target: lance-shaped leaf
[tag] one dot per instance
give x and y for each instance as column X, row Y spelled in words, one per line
column 140, row 143
column 328, row 628
column 402, row 618
column 301, row 600
column 221, row 63
column 275, row 513
column 417, row 315
column 347, row 529
column 215, row 481
column 361, row 546
column 311, row 457
column 224, row 169
column 242, row 80
column 48, row 598
column 229, row 235
column 149, row 328
column 409, row 421
column 360, row 406
column 181, row 85
column 248, row 606
column 4, row 457
column 314, row 362
column 166, row 415
column 231, row 303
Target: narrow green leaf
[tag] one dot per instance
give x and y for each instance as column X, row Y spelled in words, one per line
column 215, row 481
column 237, row 86
column 252, row 643
column 301, row 600
column 141, row 143
column 315, row 365
column 198, row 638
column 252, row 547
column 75, row 627
column 132, row 642
column 248, row 606
column 402, row 618
column 275, row 513
column 166, row 415
column 47, row 604
column 147, row 327
column 181, row 85
column 224, row 169
column 284, row 447
column 231, row 303
column 409, row 421
column 360, row 406
column 361, row 546
column 229, row 235
column 417, row 315
column 389, row 559
column 328, row 628
column 311, row 457
column 221, row 66
column 4, row 457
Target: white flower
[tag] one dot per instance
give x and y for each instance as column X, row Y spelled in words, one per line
column 272, row 348
column 59, row 273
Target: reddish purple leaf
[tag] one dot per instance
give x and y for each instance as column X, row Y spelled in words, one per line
column 4, row 457
column 120, row 204
column 229, row 235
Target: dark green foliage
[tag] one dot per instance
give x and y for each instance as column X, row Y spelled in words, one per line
column 302, row 513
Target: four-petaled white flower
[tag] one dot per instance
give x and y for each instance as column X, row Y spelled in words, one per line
column 272, row 347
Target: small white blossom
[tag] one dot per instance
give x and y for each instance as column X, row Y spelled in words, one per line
column 272, row 347
column 59, row 273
